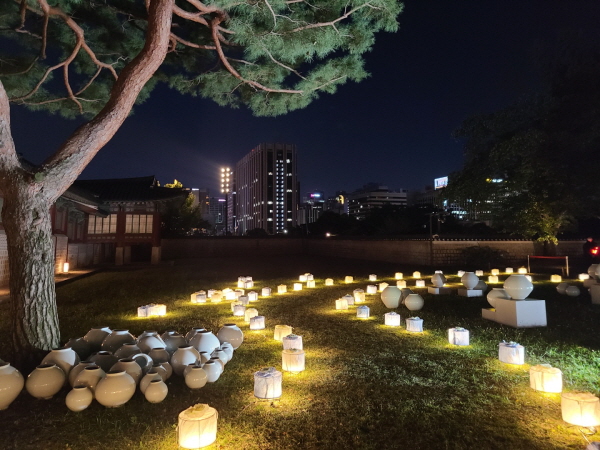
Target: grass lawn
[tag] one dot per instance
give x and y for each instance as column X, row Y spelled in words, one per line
column 366, row 386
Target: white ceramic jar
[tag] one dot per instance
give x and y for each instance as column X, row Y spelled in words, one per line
column 65, row 358
column 96, row 336
column 518, row 287
column 75, row 371
column 130, row 366
column 213, row 371
column 414, row 302
column 11, row 384
column 186, row 354
column 156, row 391
column 391, row 297
column 79, row 398
column 149, row 340
column 115, row 389
column 469, row 280
column 127, row 350
column 104, row 359
column 438, row 280
column 196, row 377
column 116, row 339
column 45, row 381
column 90, row 377
column 81, row 347
column 205, row 341
column 147, row 379
column 231, row 333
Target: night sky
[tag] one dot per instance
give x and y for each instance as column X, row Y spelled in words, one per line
column 449, row 60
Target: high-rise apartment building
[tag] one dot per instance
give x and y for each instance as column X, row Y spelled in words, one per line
column 266, row 189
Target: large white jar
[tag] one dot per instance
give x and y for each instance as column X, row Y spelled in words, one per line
column 231, row 333
column 159, row 355
column 75, row 371
column 518, row 287
column 65, row 358
column 390, row 297
column 130, row 366
column 149, row 340
column 104, row 359
column 495, row 294
column 127, row 350
column 45, row 381
column 11, row 384
column 469, row 280
column 438, row 280
column 79, row 398
column 205, row 341
column 148, row 378
column 173, row 342
column 227, row 348
column 81, row 346
column 196, row 377
column 221, row 354
column 116, row 339
column 96, row 336
column 186, row 354
column 190, row 334
column 213, row 371
column 115, row 389
column 90, row 377
column 414, row 302
column 156, row 391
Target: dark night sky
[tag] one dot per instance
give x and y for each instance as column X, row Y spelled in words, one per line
column 449, row 60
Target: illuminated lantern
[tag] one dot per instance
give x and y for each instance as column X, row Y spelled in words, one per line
column 243, row 299
column 511, row 353
column 509, row 270
column 359, row 295
column 580, row 408
column 239, row 293
column 249, row 314
column 310, row 284
column 479, row 273
column 349, row 298
column 349, row 280
column 545, row 378
column 399, row 275
column 420, row 283
column 382, row 286
column 310, row 277
column 363, row 312
column 555, row 278
column 281, row 331
column 257, row 323
column 252, row 296
column 297, row 286
column 401, row 284
column 303, row 278
column 66, row 267
column 292, row 341
column 572, row 291
column 392, row 319
column 197, row 426
column 495, row 272
column 142, row 311
column 493, row 279
column 458, row 336
column 249, row 284
column 229, row 294
column 292, row 360
column 414, row 324
column 372, row 277
column 199, row 297
column 341, row 304
column 460, row 273
column 234, row 304
column 267, row 383
column 241, row 282
column 266, row 292
column 583, row 276
column 522, row 270
column 371, row 289
column 216, row 297
column 329, row 282
column 281, row 289
column 417, row 274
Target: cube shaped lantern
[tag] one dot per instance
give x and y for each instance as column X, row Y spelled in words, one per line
column 359, row 295
column 392, row 319
column 349, row 279
column 297, row 286
column 216, row 297
column 522, row 270
column 341, row 304
column 580, row 408
column 509, row 270
column 234, row 304
column 244, row 300
column 281, row 331
column 241, row 282
column 328, row 281
column 197, row 426
column 417, row 274
column 249, row 314
column 398, row 275
column 555, row 278
column 248, row 284
column 199, row 297
column 281, row 289
column 583, row 276
column 310, row 277
column 267, row 383
column 382, row 286
column 349, row 298
column 311, row 284
column 303, row 278
column 266, row 292
column 372, row 277
column 210, row 293
column 420, row 283
column 363, row 312
column 511, row 353
column 229, row 294
column 292, row 360
column 257, row 323
column 493, row 279
column 458, row 336
column 239, row 293
column 401, row 284
column 371, row 289
column 292, row 341
column 414, row 324
column 479, row 273
column 495, row 272
column 545, row 378
column 460, row 273
column 252, row 296
column 239, row 310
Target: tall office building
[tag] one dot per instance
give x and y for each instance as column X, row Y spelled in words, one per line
column 266, row 189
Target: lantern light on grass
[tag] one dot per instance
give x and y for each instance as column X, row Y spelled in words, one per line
column 249, row 314
column 417, row 274
column 460, row 273
column 297, row 286
column 152, row 310
column 292, row 341
column 329, row 282
column 522, row 270
column 341, row 304
column 281, row 331
column 303, row 278
column 292, row 360
column 580, row 408
column 66, row 267
column 458, row 336
column 359, row 295
column 267, row 383
column 210, row 293
column 249, row 283
column 509, row 270
column 216, row 297
column 199, row 297
column 493, row 279
column 239, row 310
column 414, row 324
column 311, row 284
column 363, row 312
column 583, row 276
column 241, row 282
column 495, row 272
column 234, row 304
column 401, row 284
column 371, row 289
column 399, row 275
column 230, row 295
column 281, row 289
column 392, row 319
column 545, row 378
column 252, row 296
column 555, row 278
column 197, row 426
column 479, row 273
column 266, row 292
column 420, row 283
column 349, row 298
column 244, row 300
column 239, row 293
column 372, row 277
column 349, row 279
column 257, row 323
column 511, row 353
column 382, row 286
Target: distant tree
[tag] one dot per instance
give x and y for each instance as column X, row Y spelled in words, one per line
column 257, row 232
column 98, row 58
column 181, row 218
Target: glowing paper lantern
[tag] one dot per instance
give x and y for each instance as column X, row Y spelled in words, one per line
column 545, row 378
column 216, row 297
column 458, row 336
column 266, row 292
column 371, row 289
column 359, row 295
column 372, row 277
column 522, row 270
column 252, row 296
column 555, row 278
column 399, row 275
column 241, row 282
column 66, row 267
column 511, row 353
column 257, row 323
column 414, row 324
column 292, row 341
column 392, row 319
column 479, row 273
column 239, row 293
column 198, row 297
column 210, row 293
column 420, row 283
column 310, row 284
column 281, row 289
column 382, row 286
column 292, row 360
column 460, row 273
column 239, row 310
column 244, row 300
column 152, row 310
column 297, row 286
column 349, row 280
column 303, row 278
column 363, row 312
column 329, row 282
column 509, row 270
column 580, row 408
column 341, row 304
column 197, row 426
column 267, row 383
column 248, row 284
column 495, row 272
column 583, row 276
column 281, row 331
column 230, row 295
column 249, row 314
column 234, row 304
column 401, row 284
column 417, row 274
column 310, row 277
column 493, row 279
column 349, row 298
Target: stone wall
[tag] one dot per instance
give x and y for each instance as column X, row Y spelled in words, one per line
column 199, row 248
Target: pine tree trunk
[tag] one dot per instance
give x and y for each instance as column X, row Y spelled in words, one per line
column 34, row 318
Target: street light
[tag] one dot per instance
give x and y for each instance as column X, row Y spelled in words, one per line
column 225, row 185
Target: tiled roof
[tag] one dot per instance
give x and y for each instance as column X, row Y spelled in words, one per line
column 140, row 189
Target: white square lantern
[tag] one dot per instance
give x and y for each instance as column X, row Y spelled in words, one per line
column 302, row 278
column 210, row 293
column 241, row 282
column 493, row 279
column 416, row 274
column 583, row 276
column 281, row 331
column 198, row 295
column 252, row 296
column 555, row 278
column 382, row 286
column 310, row 277
column 239, row 293
column 249, row 284
column 458, row 336
column 511, row 353
column 522, row 270
column 267, row 383
column 216, row 297
column 392, row 319
column 495, row 272
column 297, row 286
column 460, row 273
column 292, row 341
column 371, row 289
column 159, row 310
column 234, row 304
column 249, row 314
column 257, row 323
column 372, row 277
column 229, row 294
column 239, row 310
column 349, row 298
column 244, row 300
column 359, row 295
column 142, row 311
column 281, row 289
column 401, row 284
column 349, row 279
column 479, row 273
column 414, row 324
column 509, row 270
column 580, row 408
column 341, row 304
column 266, row 292
column 197, row 426
column 363, row 312
column 292, row 360
column 420, row 283
column 311, row 284
column 328, row 281
column 398, row 275
column 545, row 378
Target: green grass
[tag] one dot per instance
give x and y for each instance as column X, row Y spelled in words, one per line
column 366, row 386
